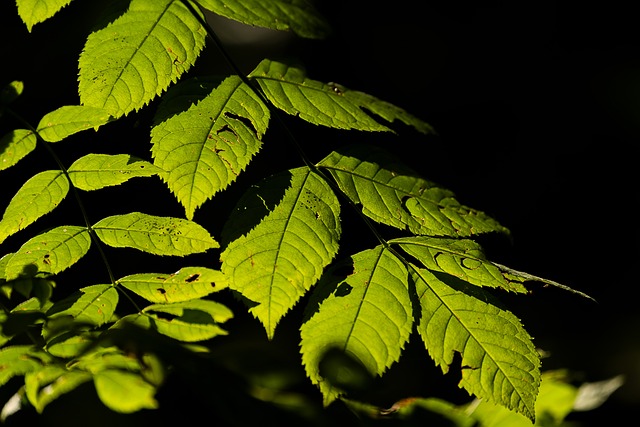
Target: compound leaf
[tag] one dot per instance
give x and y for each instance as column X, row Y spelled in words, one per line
column 15, row 146
column 52, row 381
column 189, row 321
column 367, row 315
column 393, row 194
column 69, row 119
column 37, row 197
column 280, row 258
column 329, row 104
column 499, row 362
column 186, row 284
column 96, row 171
column 20, row 360
column 205, row 148
column 93, row 305
column 154, row 234
column 50, row 252
column 298, row 16
column 135, row 58
column 123, row 391
column 33, row 12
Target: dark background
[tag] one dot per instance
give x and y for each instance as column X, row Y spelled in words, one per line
column 537, row 110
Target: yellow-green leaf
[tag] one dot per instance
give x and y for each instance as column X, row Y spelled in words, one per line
column 33, row 12
column 96, row 171
column 123, row 391
column 15, row 146
column 69, row 119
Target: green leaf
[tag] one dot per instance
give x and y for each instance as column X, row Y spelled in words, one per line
column 329, row 104
column 186, row 284
column 189, row 321
column 298, row 16
column 69, row 119
column 499, row 362
column 70, row 344
column 33, row 12
column 93, row 305
column 50, row 252
column 15, row 146
column 154, row 234
column 205, row 148
column 38, row 196
column 393, row 194
column 96, row 171
column 124, row 392
column 18, row 360
column 463, row 259
column 135, row 58
column 367, row 315
column 10, row 92
column 186, row 93
column 47, row 384
column 279, row 259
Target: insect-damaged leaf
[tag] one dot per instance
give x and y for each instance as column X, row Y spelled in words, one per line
column 205, row 148
column 367, row 315
column 128, row 63
column 499, row 362
column 96, row 171
column 154, row 234
column 393, row 194
column 278, row 259
column 186, row 284
column 329, row 104
column 91, row 305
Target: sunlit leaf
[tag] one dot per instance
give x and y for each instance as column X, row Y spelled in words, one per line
column 393, row 194
column 96, row 171
column 298, row 16
column 326, row 104
column 205, row 148
column 499, row 362
column 93, row 305
column 15, row 146
column 154, row 234
column 50, row 252
column 367, row 314
column 278, row 260
column 125, row 392
column 33, row 12
column 38, row 196
column 186, row 284
column 20, row 359
column 69, row 119
column 135, row 58
column 47, row 384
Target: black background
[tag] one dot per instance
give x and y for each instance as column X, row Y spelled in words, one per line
column 537, row 110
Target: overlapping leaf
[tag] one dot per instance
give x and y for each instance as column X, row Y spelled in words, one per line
column 19, row 360
column 37, row 197
column 124, row 392
column 154, row 234
column 69, row 119
column 33, row 12
column 332, row 105
column 499, row 362
column 189, row 321
column 50, row 252
column 186, row 284
column 45, row 385
column 298, row 16
column 96, row 171
column 367, row 315
column 205, row 148
column 92, row 305
column 15, row 146
column 128, row 63
column 277, row 261
column 393, row 194
column 462, row 258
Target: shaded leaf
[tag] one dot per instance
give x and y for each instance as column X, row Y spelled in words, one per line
column 186, row 284
column 47, row 384
column 15, row 146
column 124, row 392
column 50, row 252
column 20, row 359
column 154, row 234
column 280, row 258
column 298, row 16
column 183, row 95
column 38, row 196
column 189, row 321
column 205, row 148
column 462, row 258
column 96, row 171
column 367, row 315
column 330, row 104
column 33, row 12
column 69, row 119
column 93, row 305
column 135, row 58
column 70, row 344
column 393, row 194
column 10, row 92
column 499, row 362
